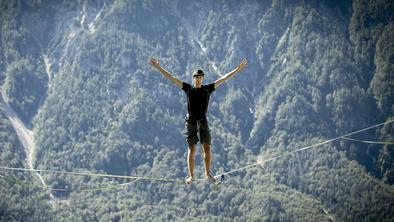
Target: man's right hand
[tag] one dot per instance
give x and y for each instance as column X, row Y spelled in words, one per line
column 155, row 63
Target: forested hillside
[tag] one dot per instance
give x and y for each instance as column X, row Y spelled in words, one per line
column 76, row 83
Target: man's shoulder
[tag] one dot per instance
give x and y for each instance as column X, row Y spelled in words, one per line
column 210, row 87
column 186, row 86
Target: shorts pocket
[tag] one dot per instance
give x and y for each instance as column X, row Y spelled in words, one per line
column 204, row 125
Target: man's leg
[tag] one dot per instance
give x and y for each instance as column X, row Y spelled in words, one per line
column 190, row 163
column 192, row 139
column 205, row 134
column 207, row 161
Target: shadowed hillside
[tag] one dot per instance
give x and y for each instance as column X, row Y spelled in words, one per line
column 77, row 74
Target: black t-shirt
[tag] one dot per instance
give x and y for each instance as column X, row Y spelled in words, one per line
column 197, row 100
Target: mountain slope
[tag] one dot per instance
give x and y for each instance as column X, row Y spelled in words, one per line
column 77, row 72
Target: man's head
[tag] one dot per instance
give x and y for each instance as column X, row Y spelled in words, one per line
column 198, row 78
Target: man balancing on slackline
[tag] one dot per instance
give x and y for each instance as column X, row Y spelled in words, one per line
column 197, row 128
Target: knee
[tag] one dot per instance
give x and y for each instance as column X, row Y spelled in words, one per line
column 192, row 150
column 206, row 149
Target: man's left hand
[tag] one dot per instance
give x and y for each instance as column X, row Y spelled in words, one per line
column 243, row 64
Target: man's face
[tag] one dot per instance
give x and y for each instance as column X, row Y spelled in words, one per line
column 198, row 80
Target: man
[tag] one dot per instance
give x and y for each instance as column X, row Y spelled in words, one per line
column 196, row 120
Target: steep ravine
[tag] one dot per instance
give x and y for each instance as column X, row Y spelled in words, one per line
column 25, row 135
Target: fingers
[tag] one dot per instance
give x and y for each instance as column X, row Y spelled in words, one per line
column 154, row 62
column 243, row 64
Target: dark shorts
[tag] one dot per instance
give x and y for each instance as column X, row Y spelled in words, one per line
column 197, row 131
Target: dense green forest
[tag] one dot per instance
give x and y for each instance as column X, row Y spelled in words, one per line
column 78, row 95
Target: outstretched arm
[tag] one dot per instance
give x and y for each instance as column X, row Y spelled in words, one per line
column 155, row 63
column 240, row 67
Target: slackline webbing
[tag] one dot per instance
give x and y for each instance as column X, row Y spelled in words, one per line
column 163, row 179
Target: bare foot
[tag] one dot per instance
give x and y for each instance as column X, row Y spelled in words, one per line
column 210, row 178
column 189, row 180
